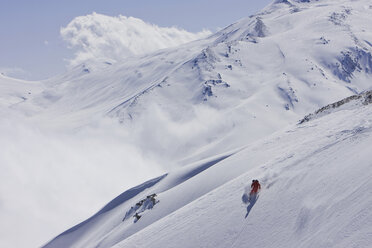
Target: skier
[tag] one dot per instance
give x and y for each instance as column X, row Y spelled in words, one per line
column 255, row 188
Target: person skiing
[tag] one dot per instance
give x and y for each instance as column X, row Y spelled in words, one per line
column 255, row 188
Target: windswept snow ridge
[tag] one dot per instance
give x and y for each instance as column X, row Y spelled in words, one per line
column 356, row 101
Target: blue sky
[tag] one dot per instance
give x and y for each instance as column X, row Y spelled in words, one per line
column 31, row 46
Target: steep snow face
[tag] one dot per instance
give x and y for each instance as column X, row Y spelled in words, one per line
column 316, row 192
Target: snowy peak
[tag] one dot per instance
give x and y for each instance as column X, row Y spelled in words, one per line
column 295, row 1
column 279, row 64
column 247, row 29
column 291, row 2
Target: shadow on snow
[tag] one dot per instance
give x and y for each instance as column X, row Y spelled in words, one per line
column 250, row 200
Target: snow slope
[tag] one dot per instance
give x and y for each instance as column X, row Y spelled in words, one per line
column 179, row 107
column 316, row 193
column 14, row 92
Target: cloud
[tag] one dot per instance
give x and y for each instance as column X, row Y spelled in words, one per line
column 52, row 180
column 98, row 36
column 156, row 131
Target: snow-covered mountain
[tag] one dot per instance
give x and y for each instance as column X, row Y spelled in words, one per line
column 256, row 76
column 316, row 193
column 221, row 111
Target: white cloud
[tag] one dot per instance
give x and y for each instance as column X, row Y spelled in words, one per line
column 99, row 36
column 51, row 180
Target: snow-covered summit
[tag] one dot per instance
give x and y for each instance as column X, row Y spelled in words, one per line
column 280, row 62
